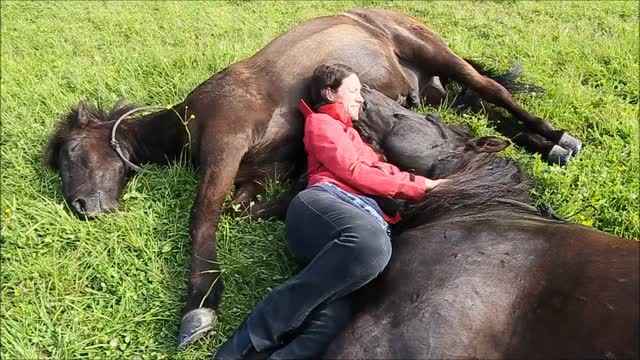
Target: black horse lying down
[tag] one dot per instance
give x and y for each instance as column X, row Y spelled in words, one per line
column 476, row 272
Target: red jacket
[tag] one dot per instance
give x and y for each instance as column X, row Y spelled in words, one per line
column 338, row 155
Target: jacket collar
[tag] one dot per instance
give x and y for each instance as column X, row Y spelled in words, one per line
column 335, row 110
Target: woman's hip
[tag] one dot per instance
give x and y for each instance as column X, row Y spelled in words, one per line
column 316, row 217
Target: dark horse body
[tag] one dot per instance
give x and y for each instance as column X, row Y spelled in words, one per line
column 247, row 127
column 478, row 273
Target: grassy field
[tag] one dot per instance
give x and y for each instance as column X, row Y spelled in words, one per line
column 114, row 287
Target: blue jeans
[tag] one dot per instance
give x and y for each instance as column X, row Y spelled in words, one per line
column 342, row 248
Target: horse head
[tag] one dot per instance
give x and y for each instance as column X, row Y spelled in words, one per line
column 92, row 174
column 417, row 141
column 427, row 145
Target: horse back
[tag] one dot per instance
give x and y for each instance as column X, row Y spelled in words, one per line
column 361, row 39
column 255, row 100
column 584, row 302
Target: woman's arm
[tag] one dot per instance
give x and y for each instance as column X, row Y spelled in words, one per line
column 326, row 140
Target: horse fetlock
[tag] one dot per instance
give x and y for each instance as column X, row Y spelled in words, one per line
column 570, row 143
column 208, row 291
column 195, row 324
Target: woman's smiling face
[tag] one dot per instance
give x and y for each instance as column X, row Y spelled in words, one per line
column 349, row 95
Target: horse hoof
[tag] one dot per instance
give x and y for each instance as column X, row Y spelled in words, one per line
column 194, row 325
column 559, row 155
column 569, row 142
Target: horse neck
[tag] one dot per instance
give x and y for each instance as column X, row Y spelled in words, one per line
column 154, row 138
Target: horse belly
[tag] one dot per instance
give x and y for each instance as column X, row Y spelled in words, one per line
column 295, row 55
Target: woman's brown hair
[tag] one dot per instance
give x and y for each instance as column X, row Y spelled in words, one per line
column 326, row 76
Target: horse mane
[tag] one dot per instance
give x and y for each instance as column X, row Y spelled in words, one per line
column 72, row 121
column 476, row 181
column 370, row 138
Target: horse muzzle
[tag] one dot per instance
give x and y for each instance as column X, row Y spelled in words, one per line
column 91, row 205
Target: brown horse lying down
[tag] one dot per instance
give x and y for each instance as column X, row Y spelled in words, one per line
column 476, row 272
column 247, row 126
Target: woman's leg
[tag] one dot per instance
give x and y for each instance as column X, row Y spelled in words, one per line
column 318, row 330
column 356, row 249
column 345, row 248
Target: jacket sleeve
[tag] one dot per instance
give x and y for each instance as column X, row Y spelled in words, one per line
column 326, row 139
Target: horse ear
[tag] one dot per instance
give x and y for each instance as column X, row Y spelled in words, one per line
column 488, row 144
column 83, row 117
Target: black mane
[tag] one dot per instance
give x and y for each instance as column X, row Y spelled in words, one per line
column 96, row 112
column 370, row 138
column 477, row 180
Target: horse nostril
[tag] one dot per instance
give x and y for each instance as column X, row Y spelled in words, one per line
column 80, row 205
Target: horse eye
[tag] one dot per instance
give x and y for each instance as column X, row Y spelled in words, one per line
column 73, row 146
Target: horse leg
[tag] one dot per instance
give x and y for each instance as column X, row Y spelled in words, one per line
column 276, row 208
column 532, row 142
column 219, row 166
column 491, row 91
column 425, row 48
column 433, row 91
column 413, row 78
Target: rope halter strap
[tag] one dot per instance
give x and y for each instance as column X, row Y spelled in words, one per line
column 116, row 145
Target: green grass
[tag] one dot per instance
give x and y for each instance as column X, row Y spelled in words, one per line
column 114, row 287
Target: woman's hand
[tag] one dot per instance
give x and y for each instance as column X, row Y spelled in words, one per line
column 433, row 183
